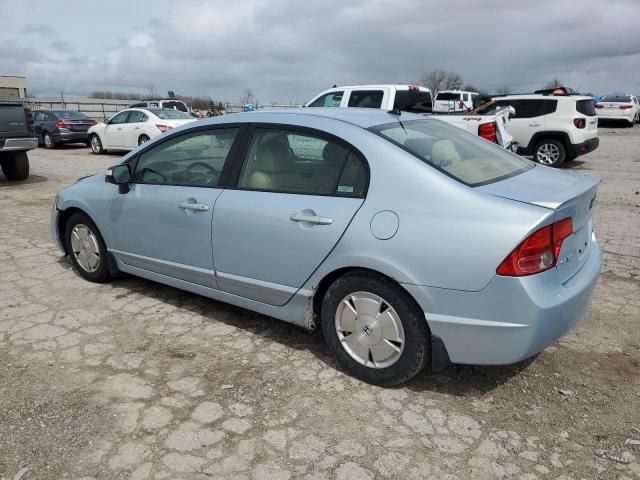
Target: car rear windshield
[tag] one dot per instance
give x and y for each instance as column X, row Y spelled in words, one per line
column 448, row 96
column 176, row 105
column 67, row 115
column 455, row 152
column 586, row 107
column 172, row 115
column 616, row 98
column 412, row 101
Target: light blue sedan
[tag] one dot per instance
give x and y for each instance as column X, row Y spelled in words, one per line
column 408, row 241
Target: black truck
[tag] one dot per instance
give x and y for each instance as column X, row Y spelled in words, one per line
column 16, row 138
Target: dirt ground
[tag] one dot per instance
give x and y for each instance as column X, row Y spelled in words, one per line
column 135, row 380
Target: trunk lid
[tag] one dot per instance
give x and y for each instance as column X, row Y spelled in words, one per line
column 569, row 195
column 13, row 120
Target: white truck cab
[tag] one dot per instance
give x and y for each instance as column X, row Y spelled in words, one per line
column 451, row 101
column 414, row 99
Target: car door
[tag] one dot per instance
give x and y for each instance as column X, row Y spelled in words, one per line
column 163, row 224
column 114, row 131
column 296, row 193
column 38, row 120
column 134, row 128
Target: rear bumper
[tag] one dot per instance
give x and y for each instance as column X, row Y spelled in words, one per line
column 628, row 117
column 18, row 144
column 69, row 137
column 512, row 318
column 583, row 148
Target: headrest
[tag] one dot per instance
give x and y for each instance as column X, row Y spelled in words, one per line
column 419, row 146
column 444, row 152
column 274, row 157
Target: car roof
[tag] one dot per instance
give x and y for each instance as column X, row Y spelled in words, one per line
column 540, row 96
column 397, row 86
column 360, row 117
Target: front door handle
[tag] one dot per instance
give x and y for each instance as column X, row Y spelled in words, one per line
column 199, row 207
column 535, row 124
column 314, row 219
column 119, row 128
column 137, row 128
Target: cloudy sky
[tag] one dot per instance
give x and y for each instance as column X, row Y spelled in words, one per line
column 287, row 50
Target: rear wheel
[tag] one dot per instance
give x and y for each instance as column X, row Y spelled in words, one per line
column 86, row 248
column 48, row 140
column 96, row 144
column 550, row 152
column 375, row 329
column 15, row 166
column 143, row 139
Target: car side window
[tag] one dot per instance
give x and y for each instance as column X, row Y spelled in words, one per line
column 137, row 117
column 530, row 108
column 39, row 117
column 119, row 118
column 366, row 98
column 294, row 162
column 195, row 159
column 331, row 99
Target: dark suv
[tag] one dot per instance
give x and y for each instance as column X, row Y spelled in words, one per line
column 55, row 127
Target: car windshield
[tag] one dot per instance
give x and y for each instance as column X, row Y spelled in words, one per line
column 455, row 152
column 616, row 98
column 172, row 115
column 70, row 115
column 446, row 96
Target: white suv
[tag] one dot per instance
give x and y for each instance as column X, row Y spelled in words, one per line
column 552, row 127
column 448, row 101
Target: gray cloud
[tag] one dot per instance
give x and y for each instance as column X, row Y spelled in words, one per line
column 289, row 50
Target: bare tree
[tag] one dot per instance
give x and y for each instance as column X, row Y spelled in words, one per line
column 504, row 90
column 470, row 87
column 247, row 97
column 151, row 91
column 555, row 82
column 438, row 80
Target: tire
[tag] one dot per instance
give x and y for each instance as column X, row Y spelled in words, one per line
column 48, row 141
column 86, row 247
column 550, row 152
column 15, row 166
column 143, row 139
column 96, row 144
column 403, row 347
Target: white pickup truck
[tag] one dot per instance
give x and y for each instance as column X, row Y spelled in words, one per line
column 416, row 99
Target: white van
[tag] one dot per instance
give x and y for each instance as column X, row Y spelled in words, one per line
column 450, row 101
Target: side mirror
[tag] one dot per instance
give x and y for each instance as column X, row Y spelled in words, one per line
column 107, row 120
column 119, row 175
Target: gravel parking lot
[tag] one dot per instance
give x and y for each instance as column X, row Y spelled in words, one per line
column 135, row 380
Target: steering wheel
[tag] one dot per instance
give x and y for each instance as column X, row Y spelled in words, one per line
column 155, row 172
column 208, row 167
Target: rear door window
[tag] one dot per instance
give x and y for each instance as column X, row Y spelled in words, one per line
column 366, row 98
column 331, row 99
column 530, row 108
column 137, row 117
column 447, row 96
column 413, row 101
column 586, row 107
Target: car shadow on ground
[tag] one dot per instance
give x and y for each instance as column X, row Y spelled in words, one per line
column 31, row 179
column 457, row 380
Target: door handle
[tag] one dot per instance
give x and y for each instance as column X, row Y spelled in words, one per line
column 137, row 128
column 199, row 207
column 314, row 219
column 535, row 124
column 119, row 128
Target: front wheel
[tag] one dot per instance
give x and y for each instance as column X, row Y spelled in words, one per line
column 86, row 248
column 49, row 142
column 96, row 144
column 550, row 152
column 15, row 166
column 375, row 329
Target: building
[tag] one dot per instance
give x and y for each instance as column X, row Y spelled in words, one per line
column 13, row 87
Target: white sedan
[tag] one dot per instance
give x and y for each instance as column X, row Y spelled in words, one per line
column 134, row 126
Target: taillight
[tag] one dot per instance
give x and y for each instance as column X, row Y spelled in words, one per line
column 61, row 124
column 163, row 128
column 488, row 131
column 579, row 122
column 599, row 106
column 538, row 252
column 29, row 116
column 625, row 107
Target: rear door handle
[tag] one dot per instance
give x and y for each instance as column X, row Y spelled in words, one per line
column 119, row 128
column 199, row 207
column 314, row 219
column 535, row 124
